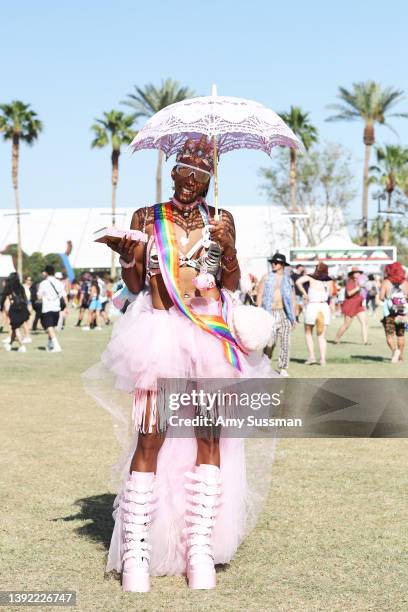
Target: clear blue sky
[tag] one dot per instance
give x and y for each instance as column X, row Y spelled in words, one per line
column 74, row 60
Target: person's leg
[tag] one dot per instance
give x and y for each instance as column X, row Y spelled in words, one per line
column 147, row 451
column 18, row 336
column 52, row 321
column 136, row 508
column 203, row 490
column 322, row 342
column 343, row 328
column 285, row 327
column 391, row 341
column 362, row 317
column 401, row 346
column 309, row 343
column 208, row 451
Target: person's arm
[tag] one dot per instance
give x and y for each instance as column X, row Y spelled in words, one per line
column 260, row 291
column 223, row 232
column 351, row 292
column 300, row 282
column 294, row 305
column 132, row 251
column 383, row 290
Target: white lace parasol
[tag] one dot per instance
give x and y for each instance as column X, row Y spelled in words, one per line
column 234, row 123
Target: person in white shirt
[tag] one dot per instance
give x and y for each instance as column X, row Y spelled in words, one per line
column 50, row 292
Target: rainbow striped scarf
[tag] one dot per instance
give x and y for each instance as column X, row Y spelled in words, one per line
column 168, row 255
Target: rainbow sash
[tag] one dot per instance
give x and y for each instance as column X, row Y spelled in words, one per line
column 168, row 255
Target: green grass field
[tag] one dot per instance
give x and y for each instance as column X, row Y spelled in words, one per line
column 332, row 536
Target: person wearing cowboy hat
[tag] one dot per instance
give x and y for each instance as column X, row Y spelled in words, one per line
column 353, row 306
column 276, row 294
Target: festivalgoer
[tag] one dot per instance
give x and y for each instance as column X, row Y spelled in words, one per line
column 276, row 294
column 394, row 294
column 27, row 284
column 103, row 297
column 170, row 330
column 317, row 309
column 51, row 291
column 14, row 300
column 85, row 287
column 353, row 307
column 298, row 273
column 64, row 311
column 341, row 295
column 5, row 326
column 37, row 305
column 334, row 290
column 94, row 308
column 372, row 294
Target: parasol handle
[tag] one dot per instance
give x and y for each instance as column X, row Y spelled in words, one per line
column 216, row 215
column 215, row 160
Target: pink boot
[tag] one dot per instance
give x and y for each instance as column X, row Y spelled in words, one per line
column 204, row 495
column 136, row 507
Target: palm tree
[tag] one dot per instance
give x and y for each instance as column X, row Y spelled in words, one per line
column 392, row 160
column 115, row 128
column 368, row 102
column 299, row 123
column 18, row 122
column 151, row 100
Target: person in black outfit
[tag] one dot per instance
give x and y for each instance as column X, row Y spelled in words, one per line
column 17, row 310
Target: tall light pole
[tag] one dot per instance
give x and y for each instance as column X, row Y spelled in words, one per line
column 18, row 214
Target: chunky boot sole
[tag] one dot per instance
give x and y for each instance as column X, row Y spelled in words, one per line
column 201, row 579
column 133, row 582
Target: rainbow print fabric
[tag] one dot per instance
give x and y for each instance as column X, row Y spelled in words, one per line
column 168, row 255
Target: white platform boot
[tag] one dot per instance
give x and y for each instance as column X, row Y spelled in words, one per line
column 203, row 498
column 136, row 506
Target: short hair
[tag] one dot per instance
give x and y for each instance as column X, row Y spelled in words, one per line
column 50, row 270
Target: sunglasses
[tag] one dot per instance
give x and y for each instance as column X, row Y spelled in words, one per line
column 201, row 176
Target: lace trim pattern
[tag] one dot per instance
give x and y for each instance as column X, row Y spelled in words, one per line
column 237, row 124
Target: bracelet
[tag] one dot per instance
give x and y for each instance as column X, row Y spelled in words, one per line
column 126, row 264
column 229, row 258
column 229, row 270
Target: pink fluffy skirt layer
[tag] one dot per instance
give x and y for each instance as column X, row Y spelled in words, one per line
column 148, row 344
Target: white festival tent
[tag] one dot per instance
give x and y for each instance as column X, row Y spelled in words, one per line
column 261, row 230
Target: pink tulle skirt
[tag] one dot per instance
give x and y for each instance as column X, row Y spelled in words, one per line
column 148, row 344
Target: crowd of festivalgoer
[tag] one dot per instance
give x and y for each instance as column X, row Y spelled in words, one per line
column 291, row 294
column 47, row 302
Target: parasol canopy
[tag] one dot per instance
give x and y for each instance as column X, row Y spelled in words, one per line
column 232, row 123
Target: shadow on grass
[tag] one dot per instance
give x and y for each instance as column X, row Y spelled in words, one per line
column 303, row 361
column 96, row 509
column 377, row 358
column 343, row 342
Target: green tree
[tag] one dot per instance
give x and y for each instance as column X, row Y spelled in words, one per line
column 368, row 102
column 150, row 100
column 324, row 190
column 114, row 129
column 299, row 123
column 18, row 123
column 392, row 161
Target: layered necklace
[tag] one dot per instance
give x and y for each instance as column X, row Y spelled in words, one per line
column 185, row 210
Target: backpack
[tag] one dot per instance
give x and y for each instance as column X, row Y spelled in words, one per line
column 19, row 303
column 397, row 302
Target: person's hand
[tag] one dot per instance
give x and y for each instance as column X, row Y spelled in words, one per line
column 220, row 234
column 125, row 247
